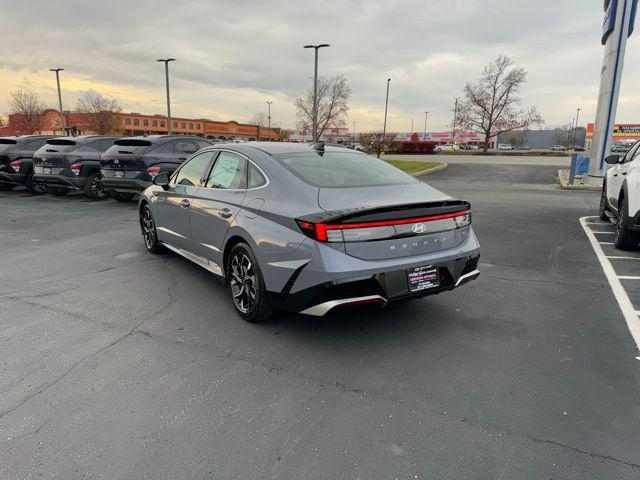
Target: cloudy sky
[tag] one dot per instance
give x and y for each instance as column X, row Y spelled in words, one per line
column 235, row 55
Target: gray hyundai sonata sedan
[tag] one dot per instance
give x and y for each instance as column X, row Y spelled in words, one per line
column 309, row 228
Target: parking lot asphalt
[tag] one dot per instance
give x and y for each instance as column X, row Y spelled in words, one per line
column 118, row 364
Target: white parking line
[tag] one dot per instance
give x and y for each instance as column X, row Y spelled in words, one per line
column 604, row 243
column 608, row 233
column 623, row 258
column 627, row 308
column 628, row 277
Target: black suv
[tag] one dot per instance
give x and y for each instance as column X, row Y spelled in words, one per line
column 72, row 163
column 16, row 165
column 131, row 164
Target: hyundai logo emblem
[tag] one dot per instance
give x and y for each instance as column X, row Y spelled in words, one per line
column 418, row 228
column 116, row 161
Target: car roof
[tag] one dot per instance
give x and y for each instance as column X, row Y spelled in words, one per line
column 86, row 138
column 162, row 138
column 275, row 148
column 26, row 137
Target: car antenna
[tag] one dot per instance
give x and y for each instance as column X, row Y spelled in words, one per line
column 319, row 147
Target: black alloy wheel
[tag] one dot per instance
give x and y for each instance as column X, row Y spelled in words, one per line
column 149, row 233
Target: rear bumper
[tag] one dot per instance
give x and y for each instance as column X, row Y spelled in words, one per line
column 13, row 178
column 378, row 289
column 126, row 185
column 61, row 181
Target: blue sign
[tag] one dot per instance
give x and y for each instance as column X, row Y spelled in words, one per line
column 579, row 166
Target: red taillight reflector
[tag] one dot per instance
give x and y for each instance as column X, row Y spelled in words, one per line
column 16, row 164
column 153, row 171
column 75, row 168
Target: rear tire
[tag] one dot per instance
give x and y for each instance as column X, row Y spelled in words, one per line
column 93, row 189
column 624, row 239
column 603, row 204
column 57, row 191
column 121, row 197
column 246, row 285
column 149, row 232
column 33, row 187
column 5, row 187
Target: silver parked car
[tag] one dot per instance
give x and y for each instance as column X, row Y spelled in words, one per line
column 309, row 228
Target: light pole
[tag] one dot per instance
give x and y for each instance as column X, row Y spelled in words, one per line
column 426, row 114
column 166, row 74
column 575, row 130
column 455, row 117
column 384, row 127
column 62, row 117
column 354, row 132
column 412, row 127
column 269, row 117
column 315, row 89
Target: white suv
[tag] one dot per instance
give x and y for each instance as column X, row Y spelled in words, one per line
column 621, row 197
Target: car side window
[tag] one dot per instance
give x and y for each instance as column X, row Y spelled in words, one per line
column 185, row 146
column 192, row 172
column 255, row 177
column 229, row 172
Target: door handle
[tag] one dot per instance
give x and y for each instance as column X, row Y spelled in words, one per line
column 615, row 174
column 185, row 203
column 624, row 173
column 225, row 212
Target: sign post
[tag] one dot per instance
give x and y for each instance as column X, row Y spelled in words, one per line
column 618, row 26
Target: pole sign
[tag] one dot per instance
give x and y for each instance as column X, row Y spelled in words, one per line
column 619, row 17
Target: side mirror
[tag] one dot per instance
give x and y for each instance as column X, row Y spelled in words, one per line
column 162, row 180
column 612, row 159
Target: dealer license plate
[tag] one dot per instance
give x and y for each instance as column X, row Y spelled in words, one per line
column 46, row 170
column 118, row 173
column 423, row 278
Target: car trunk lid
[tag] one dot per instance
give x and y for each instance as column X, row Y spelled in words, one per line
column 391, row 222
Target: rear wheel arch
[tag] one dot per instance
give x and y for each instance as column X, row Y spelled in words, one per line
column 228, row 246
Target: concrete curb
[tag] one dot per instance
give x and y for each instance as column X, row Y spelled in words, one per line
column 563, row 179
column 430, row 170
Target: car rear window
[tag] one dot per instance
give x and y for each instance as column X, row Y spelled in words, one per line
column 135, row 146
column 7, row 143
column 342, row 169
column 60, row 145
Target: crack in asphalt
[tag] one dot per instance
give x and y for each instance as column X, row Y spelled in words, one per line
column 43, row 388
column 80, row 275
column 635, row 466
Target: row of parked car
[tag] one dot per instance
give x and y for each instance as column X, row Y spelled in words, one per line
column 100, row 166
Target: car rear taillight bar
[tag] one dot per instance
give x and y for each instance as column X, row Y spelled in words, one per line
column 321, row 231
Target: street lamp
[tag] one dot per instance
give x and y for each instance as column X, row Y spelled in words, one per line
column 269, row 117
column 575, row 130
column 426, row 114
column 166, row 74
column 384, row 127
column 455, row 117
column 64, row 120
column 315, row 89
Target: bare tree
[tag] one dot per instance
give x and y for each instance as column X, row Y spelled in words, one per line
column 99, row 113
column 27, row 112
column 333, row 98
column 492, row 105
column 260, row 119
column 376, row 142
